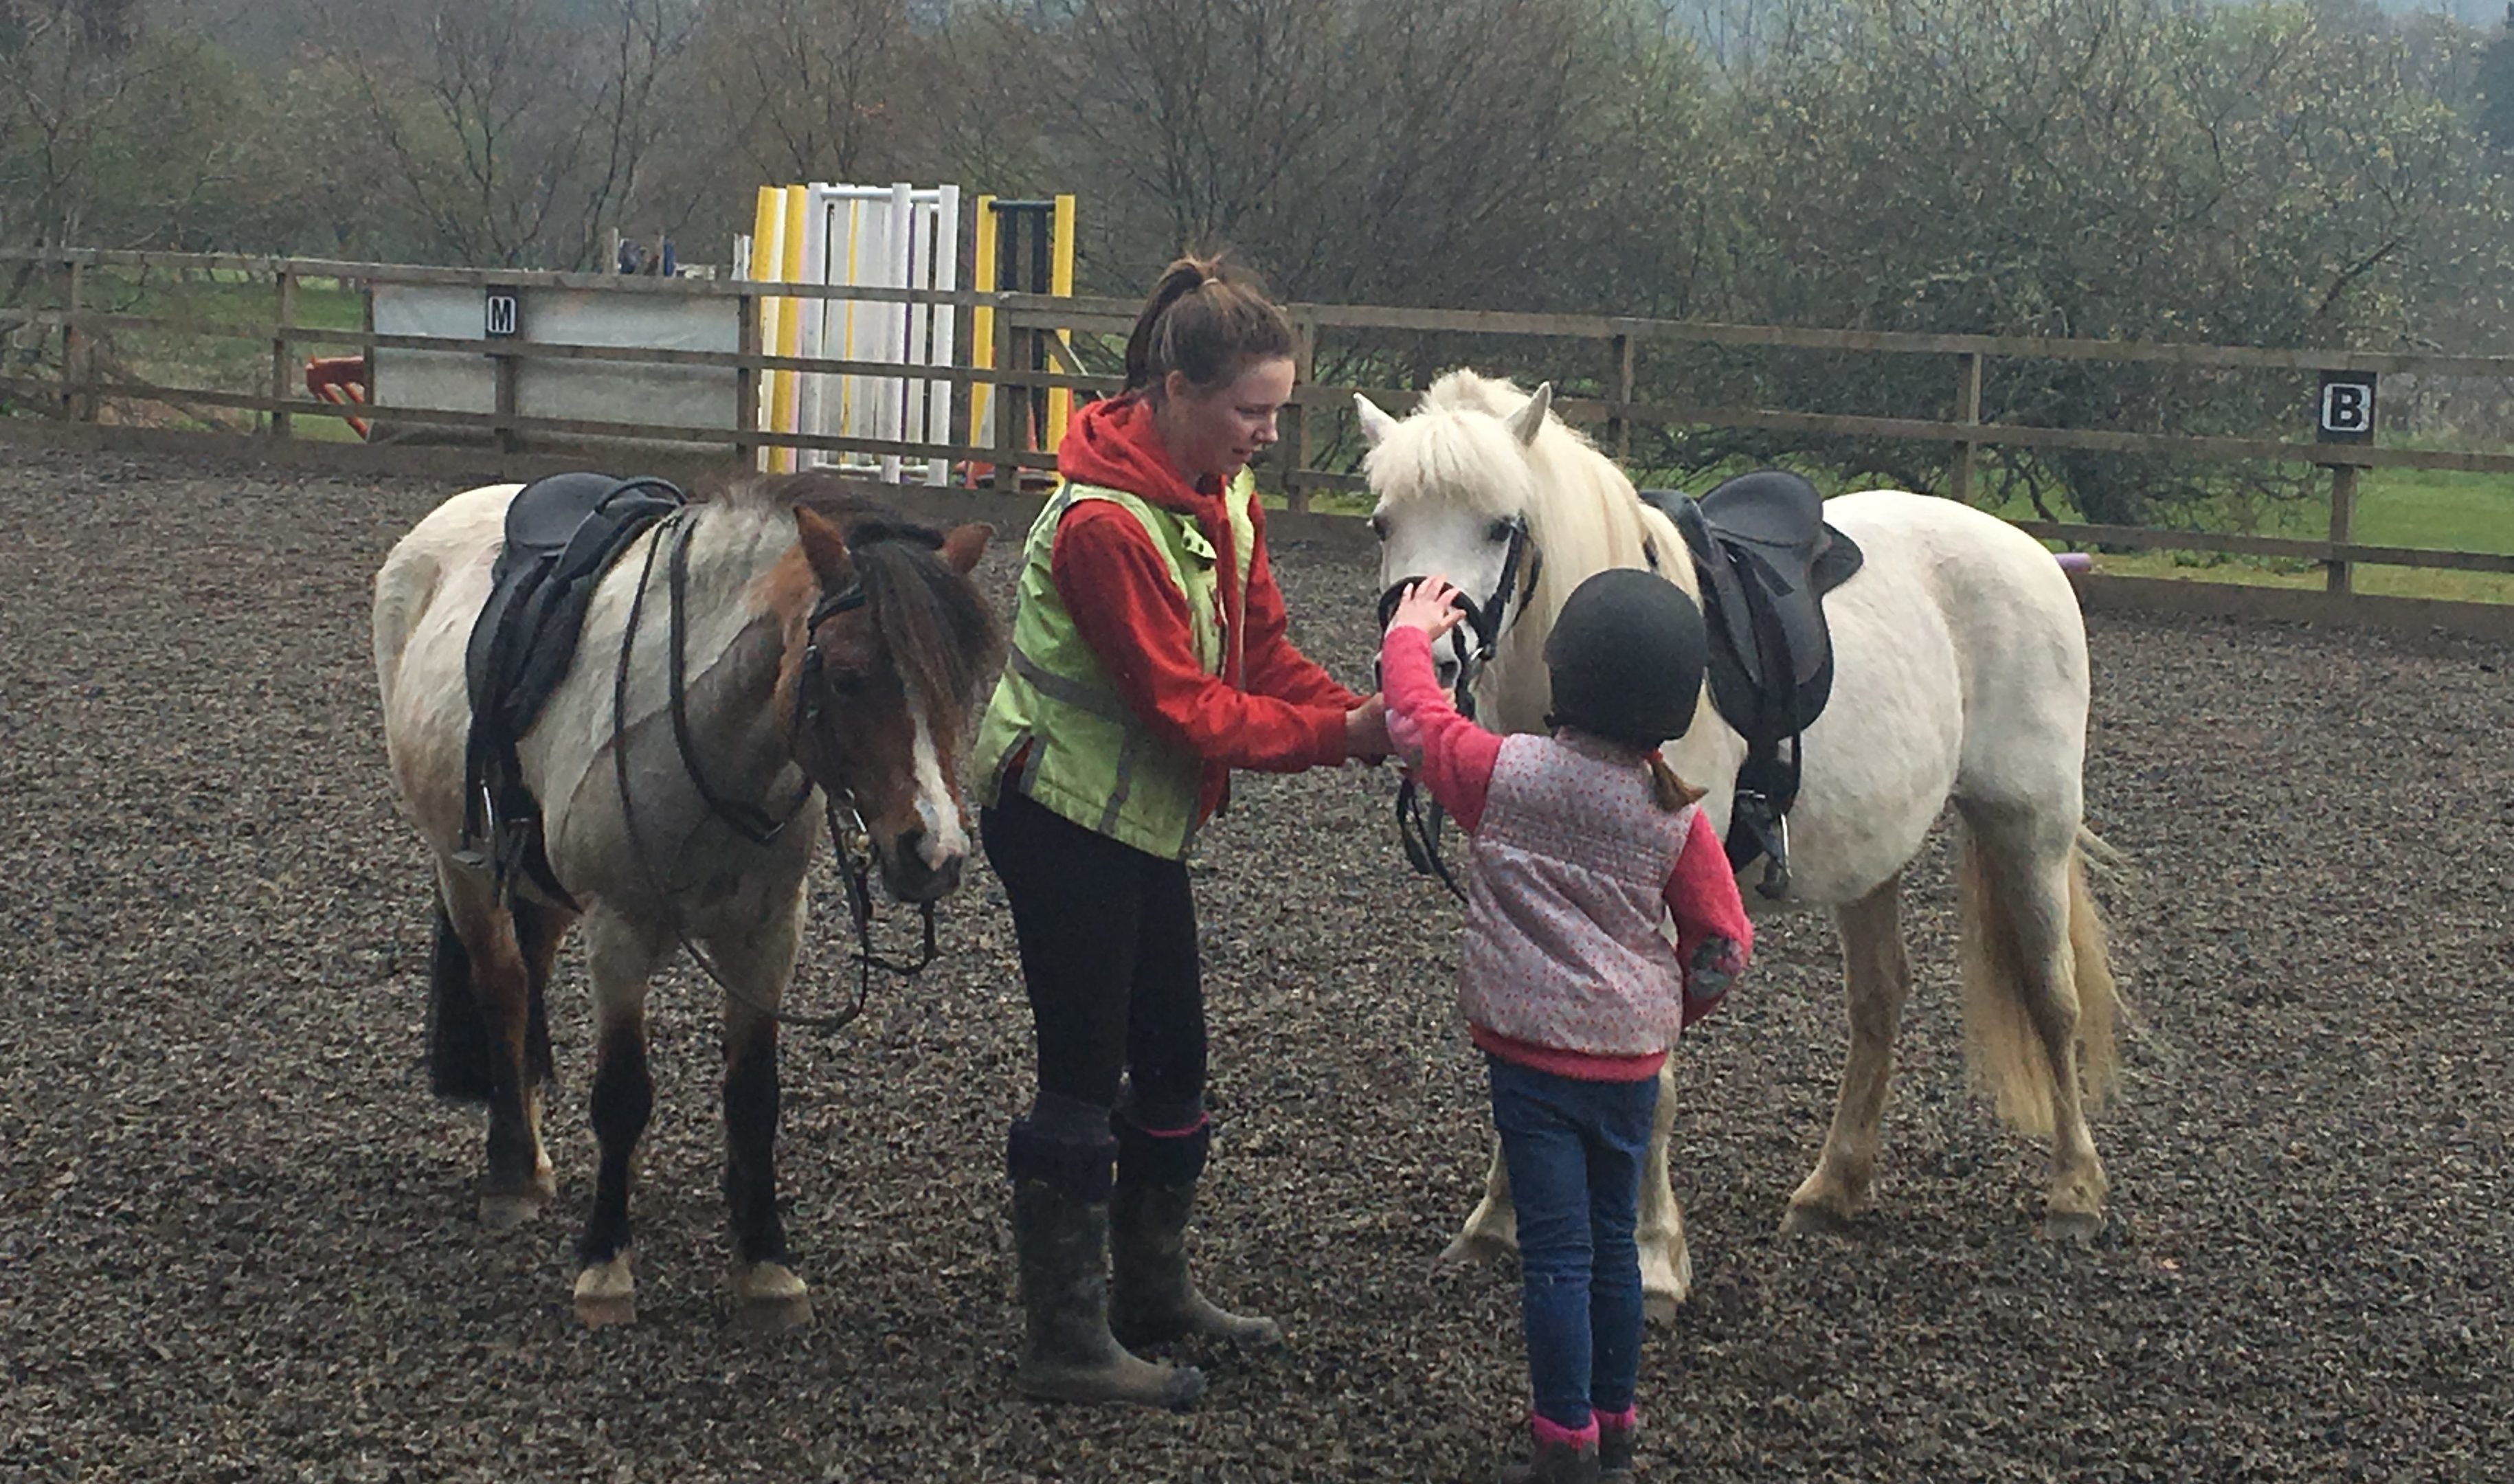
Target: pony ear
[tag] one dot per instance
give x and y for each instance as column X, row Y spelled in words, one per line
column 1530, row 421
column 1376, row 424
column 965, row 545
column 825, row 546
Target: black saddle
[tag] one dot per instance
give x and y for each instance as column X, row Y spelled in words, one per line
column 1766, row 559
column 562, row 533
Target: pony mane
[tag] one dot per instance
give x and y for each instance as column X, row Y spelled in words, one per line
column 940, row 631
column 1581, row 510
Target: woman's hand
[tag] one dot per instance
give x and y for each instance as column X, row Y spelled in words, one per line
column 1365, row 731
column 1430, row 605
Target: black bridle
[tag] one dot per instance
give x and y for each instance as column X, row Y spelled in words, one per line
column 849, row 838
column 1419, row 825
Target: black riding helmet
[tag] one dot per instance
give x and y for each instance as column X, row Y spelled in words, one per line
column 1627, row 658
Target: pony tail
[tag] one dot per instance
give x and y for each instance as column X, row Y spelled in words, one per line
column 1672, row 794
column 1177, row 281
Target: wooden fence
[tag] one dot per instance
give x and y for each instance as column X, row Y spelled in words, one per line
column 1029, row 332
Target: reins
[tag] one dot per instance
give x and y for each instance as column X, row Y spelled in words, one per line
column 1419, row 825
column 849, row 839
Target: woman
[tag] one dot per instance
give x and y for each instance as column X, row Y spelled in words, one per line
column 1148, row 660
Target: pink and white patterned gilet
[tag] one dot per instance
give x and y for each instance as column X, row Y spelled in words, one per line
column 1564, row 895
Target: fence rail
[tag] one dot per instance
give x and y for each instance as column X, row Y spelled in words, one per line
column 1030, row 336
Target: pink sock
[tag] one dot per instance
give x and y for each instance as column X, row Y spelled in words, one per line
column 1617, row 1422
column 1548, row 1432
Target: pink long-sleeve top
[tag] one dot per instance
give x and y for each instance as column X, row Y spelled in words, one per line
column 1456, row 760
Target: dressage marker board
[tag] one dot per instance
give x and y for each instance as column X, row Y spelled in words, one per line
column 467, row 381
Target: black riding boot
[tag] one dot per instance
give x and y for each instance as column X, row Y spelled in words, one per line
column 1554, row 1461
column 1061, row 1231
column 1616, row 1446
column 1154, row 1298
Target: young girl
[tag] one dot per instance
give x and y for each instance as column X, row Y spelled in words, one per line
column 1583, row 841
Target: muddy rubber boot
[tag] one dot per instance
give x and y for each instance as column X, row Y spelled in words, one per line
column 1152, row 1299
column 1556, row 1460
column 1067, row 1353
column 1617, row 1436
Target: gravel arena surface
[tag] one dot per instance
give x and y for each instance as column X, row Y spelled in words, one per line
column 237, row 1237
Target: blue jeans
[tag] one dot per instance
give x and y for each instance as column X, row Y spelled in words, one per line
column 1574, row 1153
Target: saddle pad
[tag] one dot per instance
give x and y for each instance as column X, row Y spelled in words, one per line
column 561, row 534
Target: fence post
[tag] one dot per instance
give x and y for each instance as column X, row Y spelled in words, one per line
column 509, row 440
column 1969, row 412
column 1011, row 406
column 78, row 357
column 280, row 418
column 1305, row 366
column 746, row 385
column 1619, row 431
column 2343, row 518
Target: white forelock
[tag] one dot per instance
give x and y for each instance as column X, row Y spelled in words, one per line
column 1582, row 515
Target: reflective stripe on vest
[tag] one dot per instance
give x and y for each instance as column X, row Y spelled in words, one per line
column 1082, row 750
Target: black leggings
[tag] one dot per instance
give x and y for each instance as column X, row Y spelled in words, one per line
column 1108, row 949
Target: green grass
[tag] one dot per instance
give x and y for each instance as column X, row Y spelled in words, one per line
column 2431, row 509
column 238, row 363
column 2439, row 508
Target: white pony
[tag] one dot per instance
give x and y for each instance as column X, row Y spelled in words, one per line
column 1960, row 677
column 817, row 656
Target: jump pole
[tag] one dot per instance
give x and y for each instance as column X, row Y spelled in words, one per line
column 767, row 232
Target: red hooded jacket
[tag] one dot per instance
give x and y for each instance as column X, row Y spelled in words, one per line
column 1272, row 707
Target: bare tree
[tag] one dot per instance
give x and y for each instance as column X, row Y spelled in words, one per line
column 106, row 122
column 812, row 90
column 514, row 131
column 1394, row 149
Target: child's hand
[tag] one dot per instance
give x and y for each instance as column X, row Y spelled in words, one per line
column 1430, row 605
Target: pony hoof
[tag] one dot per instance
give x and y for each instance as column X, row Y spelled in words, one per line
column 1661, row 1295
column 1473, row 1248
column 606, row 1294
column 603, row 1314
column 767, row 1283
column 2077, row 1229
column 769, row 1299
column 506, row 1210
column 1811, row 1219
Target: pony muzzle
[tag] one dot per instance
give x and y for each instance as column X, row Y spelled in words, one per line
column 919, row 865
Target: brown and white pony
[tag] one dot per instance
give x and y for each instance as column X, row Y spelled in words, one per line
column 785, row 697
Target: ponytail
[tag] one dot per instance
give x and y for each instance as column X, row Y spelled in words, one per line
column 1672, row 794
column 1206, row 322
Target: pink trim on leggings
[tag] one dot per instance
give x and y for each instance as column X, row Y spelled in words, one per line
column 1555, row 1433
column 1617, row 1422
column 1201, row 1119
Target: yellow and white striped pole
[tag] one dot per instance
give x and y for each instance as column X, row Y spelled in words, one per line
column 790, row 321
column 1060, row 282
column 767, row 259
column 982, row 323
